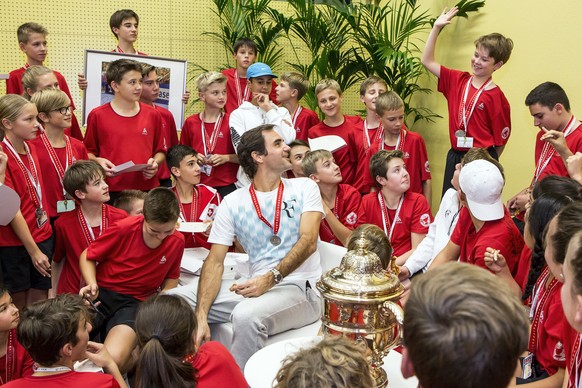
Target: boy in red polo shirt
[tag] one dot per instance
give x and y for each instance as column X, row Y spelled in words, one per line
column 390, row 109
column 32, row 42
column 237, row 88
column 483, row 222
column 329, row 100
column 292, row 87
column 209, row 134
column 479, row 113
column 367, row 132
column 138, row 256
column 56, row 151
column 149, row 95
column 140, row 141
column 341, row 202
column 403, row 215
column 198, row 202
column 84, row 181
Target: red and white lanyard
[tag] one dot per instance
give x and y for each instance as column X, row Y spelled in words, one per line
column 537, row 306
column 88, row 230
column 335, row 212
column 466, row 110
column 295, row 116
column 385, row 216
column 278, row 203
column 55, row 160
column 30, row 174
column 575, row 381
column 10, row 358
column 193, row 205
column 548, row 150
column 240, row 97
column 210, row 143
column 26, row 66
column 377, row 136
column 400, row 142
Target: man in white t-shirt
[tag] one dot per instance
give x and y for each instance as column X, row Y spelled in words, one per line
column 277, row 222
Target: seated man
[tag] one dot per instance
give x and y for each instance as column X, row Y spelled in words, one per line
column 55, row 332
column 462, row 328
column 277, row 222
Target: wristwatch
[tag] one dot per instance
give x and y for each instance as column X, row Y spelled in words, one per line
column 277, row 277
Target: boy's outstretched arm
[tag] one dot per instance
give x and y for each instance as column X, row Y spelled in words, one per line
column 428, row 54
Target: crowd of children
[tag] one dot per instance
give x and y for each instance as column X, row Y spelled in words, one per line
column 88, row 227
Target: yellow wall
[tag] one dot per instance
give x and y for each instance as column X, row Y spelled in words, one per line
column 545, row 36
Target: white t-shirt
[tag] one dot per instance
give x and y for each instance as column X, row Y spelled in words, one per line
column 236, row 216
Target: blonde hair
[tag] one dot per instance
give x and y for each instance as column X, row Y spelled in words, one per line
column 371, row 80
column 311, row 158
column 296, row 81
column 11, row 106
column 204, row 80
column 327, row 83
column 333, row 362
column 30, row 78
column 375, row 241
column 49, row 100
column 387, row 102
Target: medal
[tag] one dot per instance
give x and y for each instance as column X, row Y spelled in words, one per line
column 460, row 133
column 274, row 239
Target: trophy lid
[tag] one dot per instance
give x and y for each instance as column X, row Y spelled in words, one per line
column 360, row 276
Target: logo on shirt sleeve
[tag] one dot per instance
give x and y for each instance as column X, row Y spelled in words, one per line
column 425, row 220
column 505, row 133
column 426, row 166
column 559, row 353
column 352, row 218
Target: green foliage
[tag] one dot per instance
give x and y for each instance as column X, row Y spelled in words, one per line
column 345, row 42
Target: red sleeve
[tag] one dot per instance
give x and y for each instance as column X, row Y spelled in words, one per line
column 75, row 128
column 217, row 368
column 421, row 216
column 501, row 121
column 159, row 135
column 173, row 131
column 423, row 156
column 185, row 137
column 352, row 201
column 91, row 139
column 60, row 249
column 368, row 180
column 447, row 82
column 14, row 84
column 273, row 95
column 64, row 87
column 462, row 226
column 106, row 245
column 556, row 327
column 178, row 252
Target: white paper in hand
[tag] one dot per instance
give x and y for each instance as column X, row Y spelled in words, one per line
column 129, row 167
column 330, row 143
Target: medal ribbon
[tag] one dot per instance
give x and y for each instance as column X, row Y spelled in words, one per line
column 240, row 96
column 193, row 206
column 335, row 213
column 385, row 216
column 548, row 151
column 466, row 110
column 277, row 220
column 295, row 116
column 30, row 175
column 575, row 365
column 56, row 162
column 400, row 142
column 87, row 230
column 378, row 135
column 537, row 305
column 9, row 358
column 210, row 143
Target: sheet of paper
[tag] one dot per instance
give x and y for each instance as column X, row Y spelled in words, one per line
column 10, row 204
column 129, row 167
column 193, row 259
column 330, row 143
column 193, row 227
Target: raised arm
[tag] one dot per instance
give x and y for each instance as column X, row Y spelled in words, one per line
column 428, row 59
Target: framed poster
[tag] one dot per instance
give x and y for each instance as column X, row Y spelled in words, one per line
column 172, row 73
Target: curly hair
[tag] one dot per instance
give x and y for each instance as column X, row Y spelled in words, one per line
column 334, row 362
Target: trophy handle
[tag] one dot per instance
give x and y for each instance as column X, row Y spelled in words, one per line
column 399, row 315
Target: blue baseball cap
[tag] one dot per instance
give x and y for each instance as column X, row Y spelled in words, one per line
column 259, row 69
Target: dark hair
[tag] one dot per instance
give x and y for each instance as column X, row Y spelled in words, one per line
column 252, row 141
column 576, row 262
column 80, row 174
column 244, row 42
column 177, row 153
column 568, row 222
column 164, row 325
column 477, row 153
column 126, row 198
column 298, row 142
column 554, row 184
column 379, row 163
column 539, row 215
column 46, row 326
column 161, row 206
column 548, row 94
column 117, row 69
column 119, row 16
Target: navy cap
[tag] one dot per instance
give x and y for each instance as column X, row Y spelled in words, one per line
column 259, row 69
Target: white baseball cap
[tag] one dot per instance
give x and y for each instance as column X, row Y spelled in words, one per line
column 482, row 183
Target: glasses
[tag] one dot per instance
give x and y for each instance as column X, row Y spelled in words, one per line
column 63, row 110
